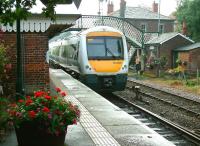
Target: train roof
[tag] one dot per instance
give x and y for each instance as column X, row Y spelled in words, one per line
column 101, row 28
column 74, row 31
column 63, row 35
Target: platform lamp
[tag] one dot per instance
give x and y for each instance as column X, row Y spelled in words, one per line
column 101, row 9
column 19, row 81
column 159, row 17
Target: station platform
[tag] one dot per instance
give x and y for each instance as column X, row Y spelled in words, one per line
column 101, row 123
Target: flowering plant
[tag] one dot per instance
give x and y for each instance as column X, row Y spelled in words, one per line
column 52, row 113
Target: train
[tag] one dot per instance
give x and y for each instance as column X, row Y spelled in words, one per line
column 97, row 56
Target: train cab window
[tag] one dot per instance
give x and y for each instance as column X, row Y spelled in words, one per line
column 105, row 47
column 114, row 47
column 95, row 47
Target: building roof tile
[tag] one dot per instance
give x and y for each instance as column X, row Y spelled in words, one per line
column 139, row 13
column 165, row 37
column 188, row 47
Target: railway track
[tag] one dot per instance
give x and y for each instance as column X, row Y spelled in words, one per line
column 192, row 106
column 171, row 131
column 192, row 109
column 179, row 109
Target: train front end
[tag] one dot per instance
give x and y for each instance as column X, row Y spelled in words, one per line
column 106, row 60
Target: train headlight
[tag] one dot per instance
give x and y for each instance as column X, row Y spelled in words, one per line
column 124, row 67
column 87, row 67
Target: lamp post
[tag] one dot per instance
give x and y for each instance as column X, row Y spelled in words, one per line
column 101, row 7
column 19, row 81
column 159, row 17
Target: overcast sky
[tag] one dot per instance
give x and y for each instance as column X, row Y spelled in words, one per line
column 91, row 7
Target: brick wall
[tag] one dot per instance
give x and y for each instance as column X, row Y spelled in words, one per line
column 194, row 59
column 167, row 47
column 152, row 25
column 34, row 46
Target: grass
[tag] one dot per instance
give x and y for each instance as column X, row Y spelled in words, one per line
column 167, row 81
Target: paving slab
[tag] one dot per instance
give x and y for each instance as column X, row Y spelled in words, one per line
column 77, row 136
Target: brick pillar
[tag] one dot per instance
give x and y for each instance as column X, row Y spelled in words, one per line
column 34, row 47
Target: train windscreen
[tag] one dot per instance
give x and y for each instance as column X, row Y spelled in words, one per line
column 105, row 47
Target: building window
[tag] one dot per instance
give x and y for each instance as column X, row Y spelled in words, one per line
column 161, row 28
column 143, row 27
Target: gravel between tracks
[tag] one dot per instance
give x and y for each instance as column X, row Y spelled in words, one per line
column 175, row 91
column 179, row 117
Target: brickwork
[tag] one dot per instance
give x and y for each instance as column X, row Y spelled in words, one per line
column 152, row 25
column 34, row 47
column 167, row 47
column 194, row 59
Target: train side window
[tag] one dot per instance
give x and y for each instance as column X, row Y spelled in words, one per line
column 57, row 51
column 65, row 52
column 75, row 56
column 77, row 51
column 61, row 51
column 54, row 51
column 70, row 51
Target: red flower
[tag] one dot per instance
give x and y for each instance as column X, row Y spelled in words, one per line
column 63, row 94
column 12, row 112
column 28, row 97
column 78, row 113
column 47, row 97
column 38, row 94
column 13, row 105
column 74, row 122
column 28, row 102
column 45, row 109
column 58, row 89
column 20, row 100
column 31, row 114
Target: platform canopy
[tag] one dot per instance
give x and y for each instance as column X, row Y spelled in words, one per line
column 76, row 2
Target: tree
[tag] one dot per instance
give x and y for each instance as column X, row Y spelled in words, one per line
column 9, row 11
column 188, row 11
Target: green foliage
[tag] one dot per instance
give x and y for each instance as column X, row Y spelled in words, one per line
column 3, row 114
column 191, row 83
column 10, row 11
column 3, row 60
column 189, row 11
column 163, row 61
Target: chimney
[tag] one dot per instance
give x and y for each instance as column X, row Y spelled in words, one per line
column 122, row 8
column 110, row 7
column 155, row 7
